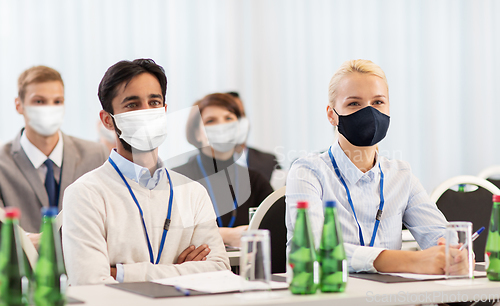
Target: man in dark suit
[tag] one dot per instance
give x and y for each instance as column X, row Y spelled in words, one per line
column 262, row 162
column 38, row 165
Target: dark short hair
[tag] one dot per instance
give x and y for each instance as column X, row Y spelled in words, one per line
column 217, row 99
column 234, row 94
column 124, row 71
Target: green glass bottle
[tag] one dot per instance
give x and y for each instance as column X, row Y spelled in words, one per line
column 331, row 254
column 302, row 258
column 50, row 274
column 14, row 281
column 492, row 252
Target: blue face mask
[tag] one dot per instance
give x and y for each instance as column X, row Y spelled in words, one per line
column 365, row 127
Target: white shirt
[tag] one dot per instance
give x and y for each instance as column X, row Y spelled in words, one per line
column 37, row 158
column 313, row 179
column 242, row 157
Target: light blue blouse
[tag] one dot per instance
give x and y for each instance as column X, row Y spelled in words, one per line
column 313, row 179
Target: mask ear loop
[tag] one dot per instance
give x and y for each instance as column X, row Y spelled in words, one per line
column 117, row 130
column 336, row 126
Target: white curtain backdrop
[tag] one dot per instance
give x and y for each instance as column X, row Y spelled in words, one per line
column 440, row 57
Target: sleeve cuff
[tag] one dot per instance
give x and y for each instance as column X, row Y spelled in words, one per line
column 363, row 257
column 120, row 273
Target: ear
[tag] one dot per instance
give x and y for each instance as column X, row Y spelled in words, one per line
column 332, row 116
column 19, row 106
column 106, row 120
column 197, row 134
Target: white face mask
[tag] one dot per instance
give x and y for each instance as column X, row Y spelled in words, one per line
column 45, row 120
column 223, row 137
column 145, row 129
column 244, row 126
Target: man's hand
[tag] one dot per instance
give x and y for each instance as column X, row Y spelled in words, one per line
column 113, row 272
column 194, row 254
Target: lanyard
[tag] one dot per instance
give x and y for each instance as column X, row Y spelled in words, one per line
column 380, row 208
column 212, row 195
column 166, row 225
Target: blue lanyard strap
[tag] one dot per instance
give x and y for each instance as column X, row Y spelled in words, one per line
column 380, row 208
column 212, row 195
column 166, row 225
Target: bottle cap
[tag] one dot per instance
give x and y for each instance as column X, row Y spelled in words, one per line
column 496, row 198
column 12, row 213
column 330, row 204
column 49, row 211
column 302, row 204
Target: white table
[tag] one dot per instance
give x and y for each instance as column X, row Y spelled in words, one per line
column 234, row 258
column 358, row 292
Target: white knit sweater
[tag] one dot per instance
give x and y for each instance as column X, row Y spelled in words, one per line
column 102, row 226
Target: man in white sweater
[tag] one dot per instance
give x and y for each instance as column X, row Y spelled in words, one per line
column 131, row 219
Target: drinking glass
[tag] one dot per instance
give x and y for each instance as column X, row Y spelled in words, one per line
column 255, row 260
column 459, row 252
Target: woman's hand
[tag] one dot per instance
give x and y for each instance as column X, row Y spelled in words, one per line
column 232, row 236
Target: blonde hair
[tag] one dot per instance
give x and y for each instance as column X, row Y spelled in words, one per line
column 351, row 66
column 37, row 74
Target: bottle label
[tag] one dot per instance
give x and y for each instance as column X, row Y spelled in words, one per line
column 316, row 272
column 344, row 271
column 63, row 281
column 289, row 273
column 487, row 259
column 25, row 285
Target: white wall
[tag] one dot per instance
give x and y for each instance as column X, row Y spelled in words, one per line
column 440, row 57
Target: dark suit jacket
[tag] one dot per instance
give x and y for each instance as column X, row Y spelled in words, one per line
column 252, row 187
column 20, row 184
column 262, row 162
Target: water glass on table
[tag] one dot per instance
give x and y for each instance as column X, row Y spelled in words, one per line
column 459, row 252
column 255, row 261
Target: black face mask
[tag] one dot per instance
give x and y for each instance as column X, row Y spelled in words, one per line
column 365, row 127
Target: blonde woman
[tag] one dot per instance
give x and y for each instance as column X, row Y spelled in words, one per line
column 375, row 195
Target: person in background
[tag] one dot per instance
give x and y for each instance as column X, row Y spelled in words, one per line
column 213, row 127
column 375, row 195
column 262, row 162
column 131, row 219
column 38, row 165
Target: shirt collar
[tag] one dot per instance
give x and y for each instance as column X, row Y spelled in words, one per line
column 36, row 156
column 242, row 157
column 136, row 173
column 348, row 170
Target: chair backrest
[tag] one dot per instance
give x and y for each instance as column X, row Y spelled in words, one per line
column 492, row 174
column 27, row 245
column 270, row 215
column 59, row 220
column 474, row 206
column 489, row 172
